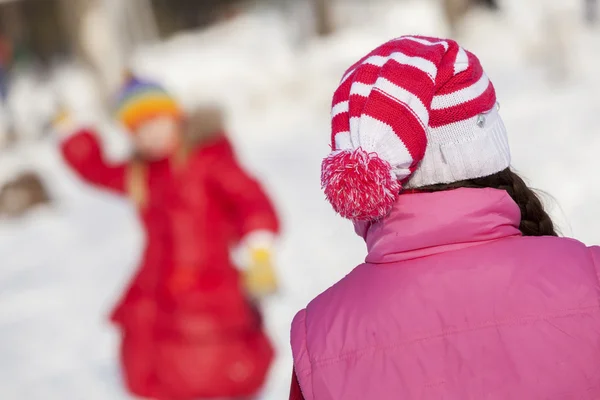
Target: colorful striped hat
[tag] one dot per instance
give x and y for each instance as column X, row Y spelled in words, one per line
column 414, row 112
column 140, row 100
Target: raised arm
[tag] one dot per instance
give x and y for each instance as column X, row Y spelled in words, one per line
column 82, row 152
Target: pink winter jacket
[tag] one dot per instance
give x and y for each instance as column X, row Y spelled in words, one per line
column 453, row 303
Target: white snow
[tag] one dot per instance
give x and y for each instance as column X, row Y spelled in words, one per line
column 62, row 267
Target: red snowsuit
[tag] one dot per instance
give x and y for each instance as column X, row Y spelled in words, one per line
column 188, row 329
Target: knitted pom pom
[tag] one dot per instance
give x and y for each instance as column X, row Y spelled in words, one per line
column 359, row 185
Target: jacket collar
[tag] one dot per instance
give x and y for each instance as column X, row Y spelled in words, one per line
column 422, row 224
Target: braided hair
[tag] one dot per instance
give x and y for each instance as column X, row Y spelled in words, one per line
column 535, row 221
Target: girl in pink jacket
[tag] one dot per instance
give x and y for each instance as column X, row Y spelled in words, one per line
column 466, row 291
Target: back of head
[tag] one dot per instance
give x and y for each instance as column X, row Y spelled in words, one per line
column 204, row 124
column 419, row 113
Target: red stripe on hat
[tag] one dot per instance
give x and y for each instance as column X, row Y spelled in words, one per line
column 446, row 69
column 462, row 80
column 401, row 119
column 411, row 79
column 432, row 40
column 463, row 111
column 342, row 93
column 367, row 75
column 412, row 49
column 408, row 78
column 340, row 123
column 357, row 105
column 409, row 48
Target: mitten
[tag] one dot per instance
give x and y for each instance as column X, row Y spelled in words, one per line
column 260, row 278
column 255, row 258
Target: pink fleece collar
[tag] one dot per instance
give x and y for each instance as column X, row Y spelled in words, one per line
column 422, row 224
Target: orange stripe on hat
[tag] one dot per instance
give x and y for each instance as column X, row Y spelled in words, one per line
column 142, row 101
column 137, row 112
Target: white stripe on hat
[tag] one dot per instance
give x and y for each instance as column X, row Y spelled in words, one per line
column 386, row 143
column 355, row 131
column 420, row 63
column 462, row 61
column 361, row 89
column 343, row 141
column 461, row 96
column 339, row 108
column 412, row 102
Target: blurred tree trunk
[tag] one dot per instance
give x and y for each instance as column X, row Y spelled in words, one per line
column 454, row 11
column 490, row 4
column 324, row 17
column 591, row 11
column 11, row 20
column 140, row 21
column 180, row 15
column 107, row 32
column 92, row 40
column 14, row 28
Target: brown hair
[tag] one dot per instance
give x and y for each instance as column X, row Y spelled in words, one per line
column 535, row 221
column 203, row 125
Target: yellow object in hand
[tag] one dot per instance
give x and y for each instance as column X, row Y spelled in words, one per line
column 61, row 117
column 63, row 123
column 260, row 278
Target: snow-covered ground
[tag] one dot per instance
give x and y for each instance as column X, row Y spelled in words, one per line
column 61, row 268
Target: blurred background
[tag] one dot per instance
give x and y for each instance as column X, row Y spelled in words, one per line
column 67, row 250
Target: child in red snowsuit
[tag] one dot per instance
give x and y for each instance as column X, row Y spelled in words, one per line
column 189, row 328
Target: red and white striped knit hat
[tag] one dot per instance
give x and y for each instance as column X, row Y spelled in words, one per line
column 414, row 112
